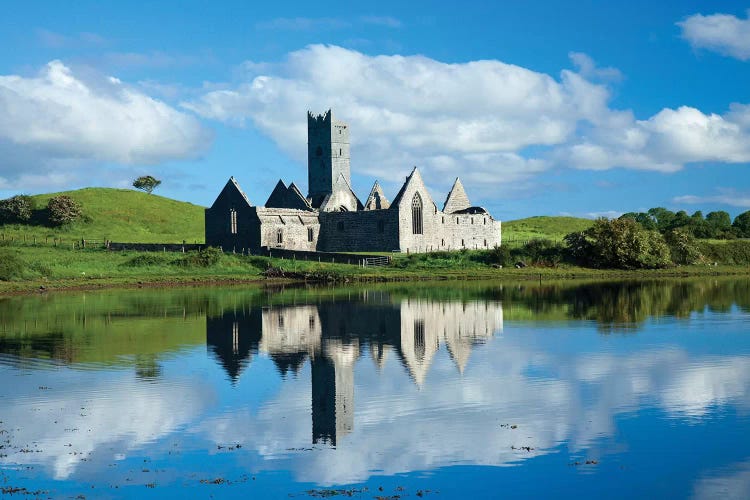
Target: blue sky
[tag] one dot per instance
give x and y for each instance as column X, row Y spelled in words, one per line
column 542, row 108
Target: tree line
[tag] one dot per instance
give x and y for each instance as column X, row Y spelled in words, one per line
column 715, row 225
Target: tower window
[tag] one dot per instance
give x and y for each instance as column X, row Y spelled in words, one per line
column 462, row 243
column 416, row 214
column 233, row 221
column 309, row 234
column 279, row 236
column 340, row 154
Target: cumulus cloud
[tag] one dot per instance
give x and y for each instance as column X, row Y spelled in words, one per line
column 723, row 33
column 664, row 142
column 724, row 196
column 498, row 123
column 57, row 124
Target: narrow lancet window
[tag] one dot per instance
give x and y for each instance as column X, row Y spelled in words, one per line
column 416, row 214
column 233, row 221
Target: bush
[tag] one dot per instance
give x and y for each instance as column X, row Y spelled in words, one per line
column 63, row 210
column 620, row 244
column 145, row 260
column 682, row 247
column 736, row 252
column 11, row 265
column 16, row 209
column 207, row 257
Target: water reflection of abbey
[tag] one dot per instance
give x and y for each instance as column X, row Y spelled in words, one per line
column 333, row 335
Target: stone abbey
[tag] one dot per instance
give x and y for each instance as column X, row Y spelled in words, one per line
column 331, row 218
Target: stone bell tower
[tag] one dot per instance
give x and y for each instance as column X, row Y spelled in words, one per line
column 327, row 155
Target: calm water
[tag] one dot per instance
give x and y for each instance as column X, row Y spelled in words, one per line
column 449, row 391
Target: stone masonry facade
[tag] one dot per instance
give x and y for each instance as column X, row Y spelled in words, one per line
column 331, row 218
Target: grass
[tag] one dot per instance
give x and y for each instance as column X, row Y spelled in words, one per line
column 122, row 215
column 542, row 227
column 64, row 268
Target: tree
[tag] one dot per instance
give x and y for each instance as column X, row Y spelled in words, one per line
column 63, row 210
column 682, row 246
column 619, row 243
column 741, row 225
column 720, row 223
column 146, row 183
column 663, row 217
column 16, row 209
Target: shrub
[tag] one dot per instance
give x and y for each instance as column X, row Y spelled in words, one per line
column 16, row 209
column 682, row 247
column 145, row 260
column 63, row 210
column 736, row 252
column 11, row 265
column 207, row 257
column 618, row 243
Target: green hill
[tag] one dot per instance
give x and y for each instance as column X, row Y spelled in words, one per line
column 543, row 227
column 121, row 215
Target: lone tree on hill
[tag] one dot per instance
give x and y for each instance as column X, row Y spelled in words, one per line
column 146, row 183
column 63, row 210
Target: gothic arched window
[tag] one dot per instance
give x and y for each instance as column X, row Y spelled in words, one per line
column 416, row 214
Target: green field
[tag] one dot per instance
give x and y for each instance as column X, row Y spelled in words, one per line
column 122, row 215
column 542, row 227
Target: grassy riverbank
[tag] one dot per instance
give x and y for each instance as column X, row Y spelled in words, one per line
column 62, row 268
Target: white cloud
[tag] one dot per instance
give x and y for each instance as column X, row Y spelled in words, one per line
column 722, row 33
column 498, row 123
column 58, row 123
column 724, row 196
column 588, row 69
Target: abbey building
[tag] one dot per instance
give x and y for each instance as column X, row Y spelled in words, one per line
column 331, row 218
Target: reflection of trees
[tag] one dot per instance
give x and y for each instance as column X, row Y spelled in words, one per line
column 626, row 305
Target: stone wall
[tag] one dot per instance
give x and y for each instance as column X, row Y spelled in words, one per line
column 299, row 229
column 365, row 231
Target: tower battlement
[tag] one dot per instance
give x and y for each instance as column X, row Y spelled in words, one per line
column 327, row 155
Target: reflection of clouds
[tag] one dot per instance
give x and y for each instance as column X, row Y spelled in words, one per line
column 88, row 417
column 729, row 485
column 400, row 428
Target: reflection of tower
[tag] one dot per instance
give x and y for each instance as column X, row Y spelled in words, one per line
column 333, row 391
column 233, row 337
column 290, row 334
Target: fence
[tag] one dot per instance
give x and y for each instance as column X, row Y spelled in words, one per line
column 362, row 260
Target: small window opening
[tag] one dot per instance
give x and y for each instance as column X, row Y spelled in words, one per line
column 442, row 243
column 485, row 242
column 472, row 220
column 485, row 220
column 279, row 236
column 462, row 243
column 442, row 220
column 309, row 234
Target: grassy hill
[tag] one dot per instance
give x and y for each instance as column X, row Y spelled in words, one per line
column 118, row 215
column 543, row 227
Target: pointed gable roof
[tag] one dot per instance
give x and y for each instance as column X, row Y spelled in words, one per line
column 232, row 189
column 456, row 199
column 278, row 196
column 295, row 198
column 413, row 183
column 342, row 197
column 377, row 200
